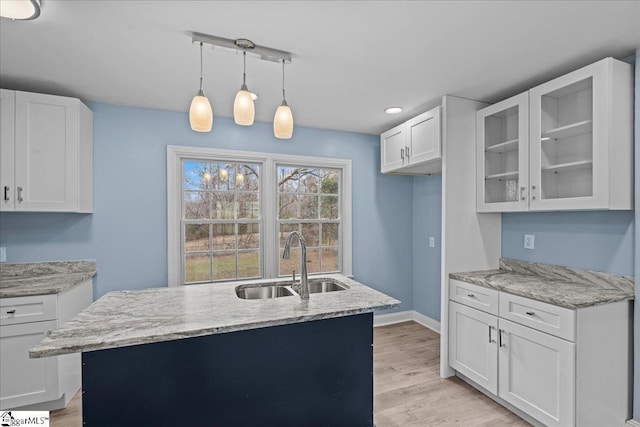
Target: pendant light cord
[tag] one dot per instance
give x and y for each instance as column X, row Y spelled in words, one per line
column 244, row 69
column 283, row 99
column 201, row 67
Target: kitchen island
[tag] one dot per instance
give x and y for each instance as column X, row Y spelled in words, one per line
column 202, row 355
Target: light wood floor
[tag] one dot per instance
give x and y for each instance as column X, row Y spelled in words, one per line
column 407, row 387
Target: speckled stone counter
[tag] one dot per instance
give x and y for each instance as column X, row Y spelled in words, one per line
column 561, row 286
column 41, row 278
column 126, row 318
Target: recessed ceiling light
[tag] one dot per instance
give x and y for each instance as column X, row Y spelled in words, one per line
column 393, row 110
column 20, row 9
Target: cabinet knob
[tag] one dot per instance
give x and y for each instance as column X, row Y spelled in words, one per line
column 471, row 295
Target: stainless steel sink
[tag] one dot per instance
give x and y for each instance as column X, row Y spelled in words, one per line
column 263, row 292
column 321, row 286
column 286, row 289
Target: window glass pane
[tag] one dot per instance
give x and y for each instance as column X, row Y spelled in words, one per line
column 329, row 207
column 224, row 265
column 285, row 229
column 309, row 181
column 248, row 206
column 224, row 237
column 313, row 261
column 196, row 237
column 309, row 207
column 248, row 236
column 197, row 268
column 330, row 234
column 196, row 205
column 330, row 181
column 222, row 205
column 288, row 206
column 222, row 176
column 247, row 177
column 197, row 175
column 293, row 263
column 330, row 260
column 249, row 264
column 287, row 179
column 311, row 234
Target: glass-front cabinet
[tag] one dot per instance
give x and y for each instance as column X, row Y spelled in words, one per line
column 503, row 155
column 571, row 149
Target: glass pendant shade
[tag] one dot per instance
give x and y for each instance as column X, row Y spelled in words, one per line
column 20, row 9
column 200, row 113
column 283, row 122
column 244, row 110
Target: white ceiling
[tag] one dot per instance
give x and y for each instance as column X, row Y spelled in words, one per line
column 353, row 58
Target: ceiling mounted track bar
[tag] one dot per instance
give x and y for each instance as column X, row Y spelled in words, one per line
column 243, row 45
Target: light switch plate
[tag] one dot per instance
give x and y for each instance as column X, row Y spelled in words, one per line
column 432, row 242
column 529, row 241
column 3, row 254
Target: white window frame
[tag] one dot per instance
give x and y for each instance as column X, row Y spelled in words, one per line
column 175, row 156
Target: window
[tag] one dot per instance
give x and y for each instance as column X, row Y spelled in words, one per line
column 229, row 213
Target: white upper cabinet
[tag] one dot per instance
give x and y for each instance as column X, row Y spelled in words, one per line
column 578, row 153
column 7, row 147
column 51, row 153
column 413, row 147
column 503, row 155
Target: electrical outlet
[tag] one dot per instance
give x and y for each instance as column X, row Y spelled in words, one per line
column 432, row 242
column 3, row 254
column 529, row 241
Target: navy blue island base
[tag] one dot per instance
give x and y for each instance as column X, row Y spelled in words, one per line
column 316, row 373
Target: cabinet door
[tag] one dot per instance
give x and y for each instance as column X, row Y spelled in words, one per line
column 502, row 137
column 7, row 144
column 537, row 373
column 25, row 381
column 46, row 152
column 472, row 345
column 423, row 132
column 392, row 147
column 569, row 141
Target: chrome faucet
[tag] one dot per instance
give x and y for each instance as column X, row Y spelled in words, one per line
column 304, row 286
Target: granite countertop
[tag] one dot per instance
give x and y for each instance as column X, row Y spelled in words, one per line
column 561, row 286
column 41, row 278
column 126, row 318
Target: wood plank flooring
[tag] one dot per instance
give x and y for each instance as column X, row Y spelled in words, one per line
column 407, row 387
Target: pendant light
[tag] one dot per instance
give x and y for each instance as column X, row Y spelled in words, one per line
column 200, row 113
column 243, row 108
column 20, row 9
column 283, row 120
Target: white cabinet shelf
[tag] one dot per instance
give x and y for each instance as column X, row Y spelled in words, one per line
column 574, row 129
column 574, row 145
column 413, row 147
column 46, row 152
column 503, row 175
column 562, row 367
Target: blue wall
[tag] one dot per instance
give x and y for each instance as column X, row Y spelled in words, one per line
column 601, row 241
column 427, row 222
column 126, row 234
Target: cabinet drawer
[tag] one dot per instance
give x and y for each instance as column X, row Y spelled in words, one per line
column 27, row 309
column 475, row 296
column 554, row 320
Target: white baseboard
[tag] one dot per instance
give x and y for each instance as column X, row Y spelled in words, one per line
column 633, row 422
column 407, row 316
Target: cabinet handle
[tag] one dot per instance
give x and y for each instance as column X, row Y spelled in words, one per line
column 20, row 194
column 402, row 154
column 6, row 193
column 491, row 340
column 530, row 313
column 533, row 188
column 522, row 197
column 500, row 343
column 471, row 295
column 406, row 152
column 11, row 311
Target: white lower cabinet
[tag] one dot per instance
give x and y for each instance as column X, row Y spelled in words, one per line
column 46, row 383
column 561, row 367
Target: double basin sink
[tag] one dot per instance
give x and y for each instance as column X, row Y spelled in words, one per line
column 287, row 289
